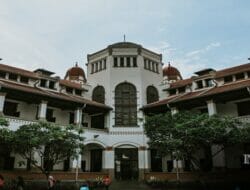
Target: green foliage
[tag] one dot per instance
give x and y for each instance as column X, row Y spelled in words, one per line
column 6, row 136
column 53, row 143
column 182, row 134
column 3, row 122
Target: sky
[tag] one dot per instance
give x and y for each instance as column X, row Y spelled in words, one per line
column 190, row 34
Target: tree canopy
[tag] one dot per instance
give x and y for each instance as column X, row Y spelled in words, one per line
column 182, row 134
column 51, row 142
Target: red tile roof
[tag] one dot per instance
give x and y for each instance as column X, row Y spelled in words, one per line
column 228, row 87
column 188, row 96
column 57, row 95
column 233, row 70
column 181, row 83
column 18, row 71
column 202, row 93
column 159, row 103
column 71, row 84
column 171, row 72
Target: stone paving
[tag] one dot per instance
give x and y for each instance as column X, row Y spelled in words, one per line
column 128, row 185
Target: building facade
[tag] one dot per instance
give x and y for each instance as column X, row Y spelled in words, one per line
column 123, row 83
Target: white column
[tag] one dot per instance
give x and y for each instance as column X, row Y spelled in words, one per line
column 131, row 61
column 246, row 75
column 204, row 83
column 211, row 107
column 180, row 165
column 234, row 78
column 143, row 158
column 174, row 110
column 218, row 159
column 77, row 162
column 125, row 61
column 108, row 158
column 119, row 61
column 2, row 100
column 176, row 163
column 42, row 110
column 108, row 161
column 78, row 116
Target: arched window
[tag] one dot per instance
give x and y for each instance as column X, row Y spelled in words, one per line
column 98, row 94
column 152, row 94
column 125, row 105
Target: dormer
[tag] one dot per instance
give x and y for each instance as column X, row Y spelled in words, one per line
column 43, row 72
column 46, row 79
column 179, row 87
column 204, row 79
column 72, row 88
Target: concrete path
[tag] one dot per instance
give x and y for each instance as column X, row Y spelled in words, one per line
column 128, row 185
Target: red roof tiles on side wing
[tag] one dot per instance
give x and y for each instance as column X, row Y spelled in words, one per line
column 181, row 83
column 18, row 71
column 71, row 84
column 43, row 92
column 233, row 70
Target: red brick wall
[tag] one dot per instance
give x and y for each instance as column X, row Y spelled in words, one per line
column 57, row 175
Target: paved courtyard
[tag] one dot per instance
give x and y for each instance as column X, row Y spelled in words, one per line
column 128, row 185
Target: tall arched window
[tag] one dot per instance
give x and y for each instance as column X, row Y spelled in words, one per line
column 98, row 94
column 152, row 94
column 125, row 105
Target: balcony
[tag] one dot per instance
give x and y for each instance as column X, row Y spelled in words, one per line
column 15, row 123
column 244, row 119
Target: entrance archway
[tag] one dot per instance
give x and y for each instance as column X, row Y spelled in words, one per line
column 126, row 162
column 92, row 158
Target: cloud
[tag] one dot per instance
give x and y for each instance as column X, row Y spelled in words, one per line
column 162, row 47
column 21, row 48
column 204, row 49
column 193, row 60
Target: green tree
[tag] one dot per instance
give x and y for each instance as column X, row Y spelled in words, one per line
column 6, row 138
column 52, row 143
column 182, row 134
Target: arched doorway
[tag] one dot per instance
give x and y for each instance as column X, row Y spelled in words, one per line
column 126, row 162
column 92, row 158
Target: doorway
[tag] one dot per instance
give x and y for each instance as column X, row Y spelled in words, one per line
column 126, row 163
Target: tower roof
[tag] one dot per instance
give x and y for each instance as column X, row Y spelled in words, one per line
column 171, row 72
column 75, row 73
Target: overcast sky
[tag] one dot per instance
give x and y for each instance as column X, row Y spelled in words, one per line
column 191, row 34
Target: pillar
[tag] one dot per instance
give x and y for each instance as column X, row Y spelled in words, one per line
column 42, row 110
column 176, row 163
column 179, row 164
column 108, row 159
column 118, row 61
column 174, row 110
column 211, row 106
column 78, row 116
column 76, row 166
column 143, row 161
column 2, row 100
column 218, row 159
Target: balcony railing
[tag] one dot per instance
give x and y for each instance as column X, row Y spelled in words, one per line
column 245, row 118
column 15, row 123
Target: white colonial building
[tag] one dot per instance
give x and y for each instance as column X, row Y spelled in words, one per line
column 123, row 83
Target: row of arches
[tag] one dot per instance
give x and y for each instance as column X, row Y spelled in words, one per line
column 125, row 88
